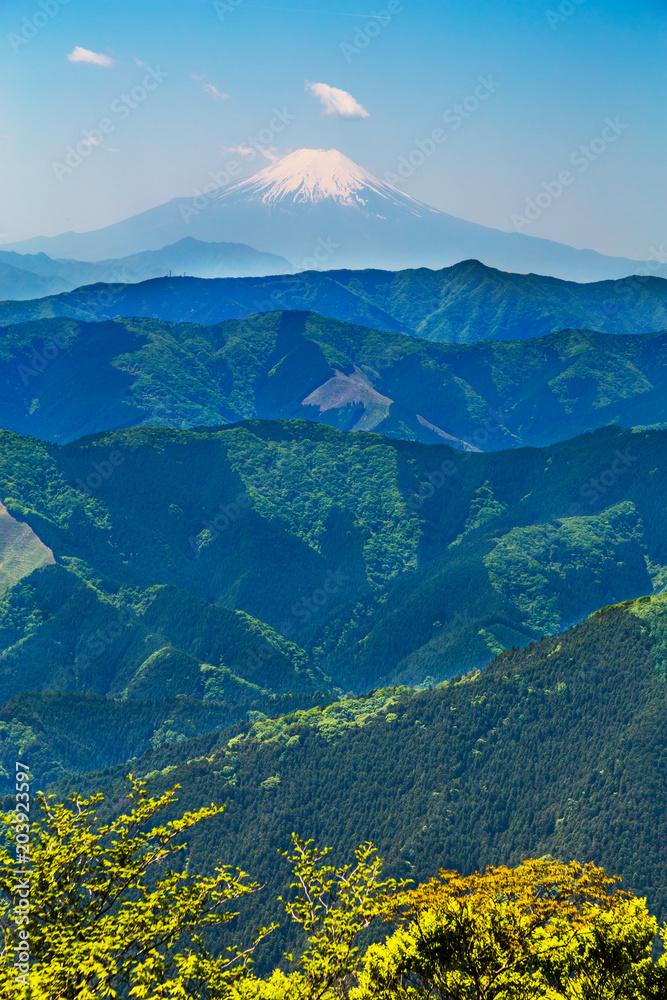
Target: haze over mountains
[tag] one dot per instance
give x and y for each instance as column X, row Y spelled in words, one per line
column 24, row 276
column 202, row 547
column 461, row 304
column 286, row 365
column 333, row 501
column 319, row 208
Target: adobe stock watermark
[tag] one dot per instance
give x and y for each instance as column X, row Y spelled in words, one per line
column 454, row 116
column 450, row 467
column 305, row 608
column 225, row 516
column 323, row 250
column 564, row 11
column 274, row 303
column 623, row 290
column 31, row 26
column 102, row 299
column 22, row 873
column 598, row 485
column 581, row 158
column 121, row 108
column 102, row 638
column 254, row 145
column 225, row 7
column 41, row 358
column 102, row 471
column 228, row 513
column 362, row 37
column 278, row 299
column 301, row 612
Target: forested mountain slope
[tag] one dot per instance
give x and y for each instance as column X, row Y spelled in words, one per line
column 461, row 304
column 287, row 365
column 557, row 749
column 294, row 557
column 66, row 734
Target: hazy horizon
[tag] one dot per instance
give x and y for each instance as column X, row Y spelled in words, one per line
column 372, row 82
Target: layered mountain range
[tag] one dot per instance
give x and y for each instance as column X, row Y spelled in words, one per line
column 27, row 276
column 462, row 304
column 287, row 365
column 325, row 547
column 274, row 557
column 318, row 208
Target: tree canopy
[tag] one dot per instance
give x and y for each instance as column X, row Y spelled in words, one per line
column 112, row 913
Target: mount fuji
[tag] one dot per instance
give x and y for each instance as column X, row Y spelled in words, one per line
column 321, row 210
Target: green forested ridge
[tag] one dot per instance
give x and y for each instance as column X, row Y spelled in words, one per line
column 59, row 632
column 272, row 557
column 285, row 365
column 461, row 304
column 558, row 748
column 66, row 734
column 135, row 926
column 215, row 591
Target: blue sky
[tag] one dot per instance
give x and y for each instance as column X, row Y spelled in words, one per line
column 558, row 76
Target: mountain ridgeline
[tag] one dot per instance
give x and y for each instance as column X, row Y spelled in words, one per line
column 290, row 365
column 393, row 634
column 556, row 749
column 270, row 558
column 462, row 304
column 316, row 206
column 25, row 276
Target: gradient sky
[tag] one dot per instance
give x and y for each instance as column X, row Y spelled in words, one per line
column 558, row 83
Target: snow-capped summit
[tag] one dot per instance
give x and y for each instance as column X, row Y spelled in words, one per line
column 310, row 176
column 319, row 209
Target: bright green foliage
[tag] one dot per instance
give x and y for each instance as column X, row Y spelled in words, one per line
column 652, row 611
column 534, row 566
column 543, row 929
column 108, row 911
column 331, row 721
column 556, row 749
column 110, row 916
column 66, row 735
column 316, row 577
column 333, row 906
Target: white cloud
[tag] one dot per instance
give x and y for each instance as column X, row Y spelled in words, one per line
column 86, row 56
column 209, row 88
column 92, row 140
column 240, row 150
column 213, row 92
column 269, row 153
column 336, row 101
